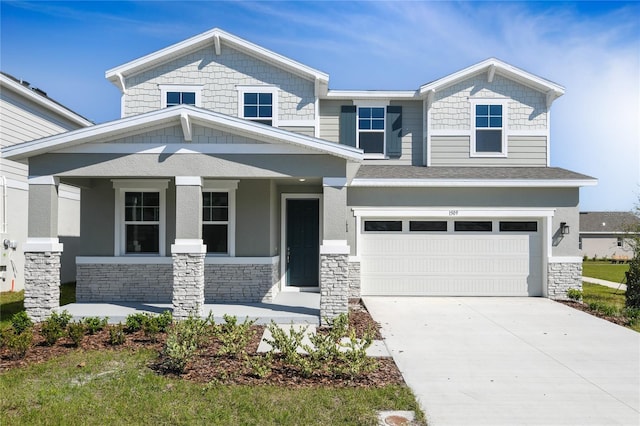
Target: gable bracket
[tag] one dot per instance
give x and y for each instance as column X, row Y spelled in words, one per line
column 187, row 130
column 216, row 43
column 551, row 96
column 491, row 73
column 121, row 80
column 430, row 95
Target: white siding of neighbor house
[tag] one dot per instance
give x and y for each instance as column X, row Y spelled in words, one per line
column 451, row 109
column 23, row 120
column 220, row 76
column 527, row 151
column 604, row 246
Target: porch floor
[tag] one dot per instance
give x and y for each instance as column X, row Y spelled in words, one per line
column 286, row 308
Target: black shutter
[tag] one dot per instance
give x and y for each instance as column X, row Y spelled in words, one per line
column 348, row 125
column 394, row 131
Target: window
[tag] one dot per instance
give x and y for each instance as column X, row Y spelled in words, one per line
column 178, row 98
column 428, row 225
column 140, row 216
column 258, row 103
column 371, row 129
column 579, row 243
column 218, row 216
column 476, row 226
column 215, row 221
column 619, row 242
column 383, row 225
column 518, row 226
column 173, row 95
column 488, row 137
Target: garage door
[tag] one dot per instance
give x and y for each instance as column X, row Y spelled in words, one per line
column 451, row 258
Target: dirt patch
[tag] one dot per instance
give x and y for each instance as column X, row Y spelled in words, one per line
column 585, row 308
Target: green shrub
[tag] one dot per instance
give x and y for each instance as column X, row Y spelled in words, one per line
column 75, row 331
column 632, row 296
column 5, row 329
column 18, row 343
column 151, row 328
column 164, row 320
column 184, row 339
column 353, row 360
column 53, row 328
column 117, row 335
column 286, row 344
column 95, row 324
column 261, row 365
column 20, row 321
column 134, row 322
column 574, row 294
column 234, row 337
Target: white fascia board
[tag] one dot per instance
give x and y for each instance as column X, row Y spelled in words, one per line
column 132, row 125
column 212, row 37
column 371, row 94
column 487, row 183
column 47, row 103
column 452, row 212
column 588, row 233
column 501, row 68
column 191, row 148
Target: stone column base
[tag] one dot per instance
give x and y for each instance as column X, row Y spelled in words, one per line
column 41, row 284
column 334, row 286
column 188, row 284
column 562, row 276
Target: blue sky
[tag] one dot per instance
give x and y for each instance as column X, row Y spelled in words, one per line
column 591, row 48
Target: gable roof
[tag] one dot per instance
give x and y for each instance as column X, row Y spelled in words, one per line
column 419, row 176
column 214, row 37
column 184, row 115
column 607, row 222
column 38, row 96
column 494, row 66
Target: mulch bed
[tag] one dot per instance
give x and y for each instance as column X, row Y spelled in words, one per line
column 210, row 367
column 585, row 308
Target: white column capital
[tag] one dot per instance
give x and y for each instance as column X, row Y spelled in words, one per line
column 188, row 181
column 188, row 245
column 41, row 245
column 44, row 180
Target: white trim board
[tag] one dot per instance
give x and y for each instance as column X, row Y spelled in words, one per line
column 486, row 183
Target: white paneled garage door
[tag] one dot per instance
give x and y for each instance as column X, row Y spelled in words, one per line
column 451, row 258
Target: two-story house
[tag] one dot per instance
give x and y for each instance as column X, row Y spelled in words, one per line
column 236, row 173
column 27, row 113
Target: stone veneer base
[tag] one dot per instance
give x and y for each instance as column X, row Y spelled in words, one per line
column 188, row 284
column 108, row 282
column 41, row 284
column 562, row 276
column 334, row 286
column 241, row 283
column 354, row 279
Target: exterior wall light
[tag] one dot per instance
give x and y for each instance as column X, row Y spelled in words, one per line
column 564, row 228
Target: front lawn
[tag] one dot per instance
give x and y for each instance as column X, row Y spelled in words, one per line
column 604, row 270
column 608, row 303
column 117, row 387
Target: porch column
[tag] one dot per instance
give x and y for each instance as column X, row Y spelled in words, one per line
column 188, row 251
column 334, row 251
column 42, row 250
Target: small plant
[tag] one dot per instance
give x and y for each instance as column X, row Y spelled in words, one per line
column 184, row 339
column 75, row 331
column 53, row 328
column 574, row 294
column 632, row 315
column 260, row 365
column 20, row 321
column 164, row 321
column 151, row 328
column 286, row 343
column 95, row 324
column 117, row 335
column 18, row 343
column 353, row 360
column 134, row 322
column 234, row 337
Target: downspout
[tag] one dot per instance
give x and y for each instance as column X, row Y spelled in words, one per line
column 4, row 225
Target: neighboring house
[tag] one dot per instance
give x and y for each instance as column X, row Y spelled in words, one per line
column 27, row 113
column 236, row 173
column 604, row 234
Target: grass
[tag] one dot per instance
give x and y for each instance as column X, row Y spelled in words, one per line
column 117, row 387
column 12, row 302
column 606, row 298
column 604, row 270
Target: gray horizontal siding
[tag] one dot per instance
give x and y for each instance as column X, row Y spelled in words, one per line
column 330, row 119
column 521, row 151
column 13, row 170
column 303, row 130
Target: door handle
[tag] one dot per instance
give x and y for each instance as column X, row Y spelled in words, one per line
column 288, row 254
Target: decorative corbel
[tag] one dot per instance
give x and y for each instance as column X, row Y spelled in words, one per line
column 491, row 73
column 216, row 43
column 187, row 131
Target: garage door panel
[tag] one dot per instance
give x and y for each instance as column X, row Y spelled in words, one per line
column 465, row 264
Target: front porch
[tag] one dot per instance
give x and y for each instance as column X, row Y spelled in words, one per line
column 286, row 308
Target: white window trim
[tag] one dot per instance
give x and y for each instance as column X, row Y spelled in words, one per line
column 274, row 90
column 505, row 127
column 143, row 185
column 230, row 187
column 164, row 88
column 372, row 104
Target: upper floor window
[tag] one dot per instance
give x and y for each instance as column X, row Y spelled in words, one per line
column 371, row 129
column 258, row 103
column 489, row 129
column 172, row 95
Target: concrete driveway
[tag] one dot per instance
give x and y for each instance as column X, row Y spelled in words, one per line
column 511, row 361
